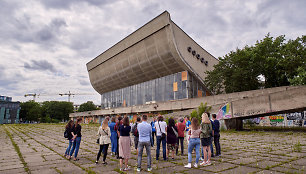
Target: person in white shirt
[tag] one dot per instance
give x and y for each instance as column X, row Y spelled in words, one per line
column 160, row 127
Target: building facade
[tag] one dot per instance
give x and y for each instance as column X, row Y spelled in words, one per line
column 156, row 63
column 9, row 110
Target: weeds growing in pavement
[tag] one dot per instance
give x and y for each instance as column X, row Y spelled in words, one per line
column 26, row 168
column 297, row 147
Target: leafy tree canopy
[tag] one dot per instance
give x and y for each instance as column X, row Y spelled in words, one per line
column 277, row 62
column 88, row 106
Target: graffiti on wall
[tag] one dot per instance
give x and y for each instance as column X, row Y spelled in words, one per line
column 224, row 112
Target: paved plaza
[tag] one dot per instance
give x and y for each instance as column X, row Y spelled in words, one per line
column 39, row 148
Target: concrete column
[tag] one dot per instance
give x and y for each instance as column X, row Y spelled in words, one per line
column 234, row 123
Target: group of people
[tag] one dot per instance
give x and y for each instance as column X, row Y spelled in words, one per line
column 199, row 135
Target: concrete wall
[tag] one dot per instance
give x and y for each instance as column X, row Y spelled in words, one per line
column 244, row 103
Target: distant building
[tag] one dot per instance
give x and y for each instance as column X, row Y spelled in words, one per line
column 9, row 110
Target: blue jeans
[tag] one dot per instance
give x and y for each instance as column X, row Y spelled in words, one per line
column 158, row 141
column 194, row 143
column 69, row 147
column 141, row 146
column 114, row 141
column 75, row 146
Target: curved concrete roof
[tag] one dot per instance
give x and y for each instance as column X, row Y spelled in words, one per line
column 157, row 49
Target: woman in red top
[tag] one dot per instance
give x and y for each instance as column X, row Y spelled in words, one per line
column 181, row 127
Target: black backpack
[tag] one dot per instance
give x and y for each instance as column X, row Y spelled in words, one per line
column 66, row 133
column 135, row 131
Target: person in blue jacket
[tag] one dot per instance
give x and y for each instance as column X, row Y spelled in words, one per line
column 113, row 136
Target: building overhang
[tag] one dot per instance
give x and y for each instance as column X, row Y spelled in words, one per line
column 157, row 49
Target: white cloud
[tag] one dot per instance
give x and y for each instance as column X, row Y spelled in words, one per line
column 45, row 45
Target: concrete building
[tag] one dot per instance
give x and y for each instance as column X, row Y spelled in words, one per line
column 158, row 62
column 9, row 110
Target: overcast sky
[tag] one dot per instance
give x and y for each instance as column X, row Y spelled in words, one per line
column 45, row 45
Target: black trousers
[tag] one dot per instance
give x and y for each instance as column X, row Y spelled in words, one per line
column 153, row 135
column 180, row 140
column 217, row 144
column 103, row 148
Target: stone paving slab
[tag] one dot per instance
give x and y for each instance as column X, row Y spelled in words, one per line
column 42, row 147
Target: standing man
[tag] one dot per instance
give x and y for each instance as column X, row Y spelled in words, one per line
column 216, row 135
column 136, row 133
column 145, row 133
column 160, row 127
column 153, row 129
column 181, row 128
column 188, row 123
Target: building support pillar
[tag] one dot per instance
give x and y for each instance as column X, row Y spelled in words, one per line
column 234, row 123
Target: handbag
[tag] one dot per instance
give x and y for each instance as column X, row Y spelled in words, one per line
column 163, row 135
column 98, row 141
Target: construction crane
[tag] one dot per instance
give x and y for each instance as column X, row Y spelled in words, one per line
column 69, row 94
column 31, row 94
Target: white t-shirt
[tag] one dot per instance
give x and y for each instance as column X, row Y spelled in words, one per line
column 163, row 126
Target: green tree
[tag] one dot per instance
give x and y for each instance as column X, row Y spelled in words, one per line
column 201, row 109
column 272, row 58
column 30, row 111
column 88, row 106
column 55, row 111
column 300, row 79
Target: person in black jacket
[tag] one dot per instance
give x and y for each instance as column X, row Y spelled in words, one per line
column 217, row 135
column 69, row 129
column 77, row 139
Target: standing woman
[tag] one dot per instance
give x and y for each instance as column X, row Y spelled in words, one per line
column 194, row 142
column 206, row 131
column 69, row 129
column 124, row 143
column 77, row 139
column 113, row 136
column 172, row 135
column 104, row 133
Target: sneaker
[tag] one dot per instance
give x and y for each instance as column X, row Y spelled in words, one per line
column 203, row 163
column 96, row 162
column 138, row 169
column 201, row 159
column 188, row 165
column 208, row 163
column 195, row 165
column 149, row 169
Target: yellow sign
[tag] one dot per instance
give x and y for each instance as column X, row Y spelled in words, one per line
column 175, row 86
column 184, row 75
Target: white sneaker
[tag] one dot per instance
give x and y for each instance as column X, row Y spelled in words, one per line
column 203, row 163
column 208, row 163
column 149, row 169
column 195, row 165
column 188, row 165
column 201, row 159
column 138, row 169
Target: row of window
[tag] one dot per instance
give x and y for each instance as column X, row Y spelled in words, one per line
column 176, row 86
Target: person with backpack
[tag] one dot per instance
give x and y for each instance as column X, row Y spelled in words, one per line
column 68, row 134
column 206, row 133
column 104, row 140
column 77, row 139
column 172, row 136
column 136, row 134
column 160, row 126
